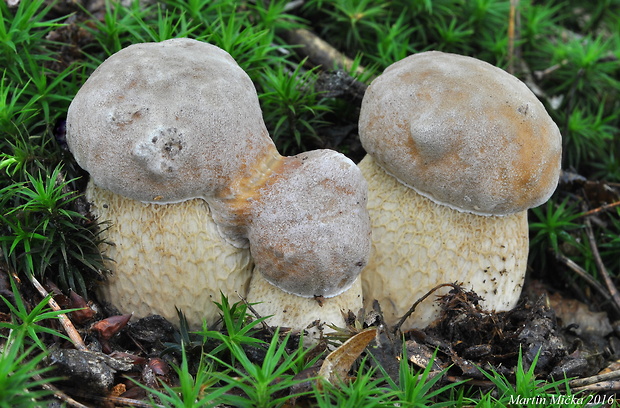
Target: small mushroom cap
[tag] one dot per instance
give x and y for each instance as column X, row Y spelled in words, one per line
column 463, row 133
column 310, row 230
column 169, row 121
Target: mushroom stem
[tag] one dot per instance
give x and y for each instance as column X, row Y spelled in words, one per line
column 438, row 245
column 166, row 256
column 312, row 315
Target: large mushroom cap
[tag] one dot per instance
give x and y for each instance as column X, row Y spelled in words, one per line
column 152, row 122
column 463, row 133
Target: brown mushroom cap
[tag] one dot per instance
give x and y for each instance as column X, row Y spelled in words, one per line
column 463, row 133
column 152, row 121
column 310, row 231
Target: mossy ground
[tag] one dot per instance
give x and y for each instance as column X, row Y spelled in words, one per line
column 567, row 52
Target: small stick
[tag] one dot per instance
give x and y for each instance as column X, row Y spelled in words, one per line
column 604, row 386
column 64, row 320
column 129, row 402
column 319, row 51
column 117, row 401
column 511, row 35
column 585, row 275
column 580, row 382
column 613, row 291
column 59, row 394
column 600, row 209
column 417, row 302
column 541, row 74
column 256, row 314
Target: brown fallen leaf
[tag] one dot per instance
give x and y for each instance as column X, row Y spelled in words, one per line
column 574, row 312
column 338, row 363
column 85, row 313
column 159, row 366
column 108, row 327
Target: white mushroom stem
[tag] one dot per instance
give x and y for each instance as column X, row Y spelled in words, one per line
column 310, row 315
column 418, row 244
column 167, row 256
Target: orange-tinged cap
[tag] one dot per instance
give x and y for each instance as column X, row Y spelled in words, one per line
column 463, row 133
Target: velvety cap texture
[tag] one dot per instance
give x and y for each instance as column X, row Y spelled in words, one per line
column 463, row 133
column 310, row 230
column 164, row 122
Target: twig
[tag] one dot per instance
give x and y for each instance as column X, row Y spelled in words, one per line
column 613, row 291
column 320, row 52
column 531, row 82
column 600, row 209
column 117, row 401
column 58, row 394
column 542, row 74
column 604, row 386
column 417, row 302
column 120, row 401
column 129, row 402
column 292, row 5
column 513, row 28
column 256, row 314
column 588, row 278
column 64, row 320
column 580, row 382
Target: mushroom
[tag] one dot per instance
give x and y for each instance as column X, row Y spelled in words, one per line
column 458, row 150
column 162, row 127
column 310, row 237
column 180, row 162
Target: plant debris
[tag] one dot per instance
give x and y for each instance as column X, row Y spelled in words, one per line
column 467, row 337
column 88, row 369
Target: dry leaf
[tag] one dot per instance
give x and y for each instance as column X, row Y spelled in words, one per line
column 85, row 313
column 338, row 363
column 572, row 311
column 107, row 328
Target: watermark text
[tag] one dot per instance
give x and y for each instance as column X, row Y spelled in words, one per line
column 594, row 399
